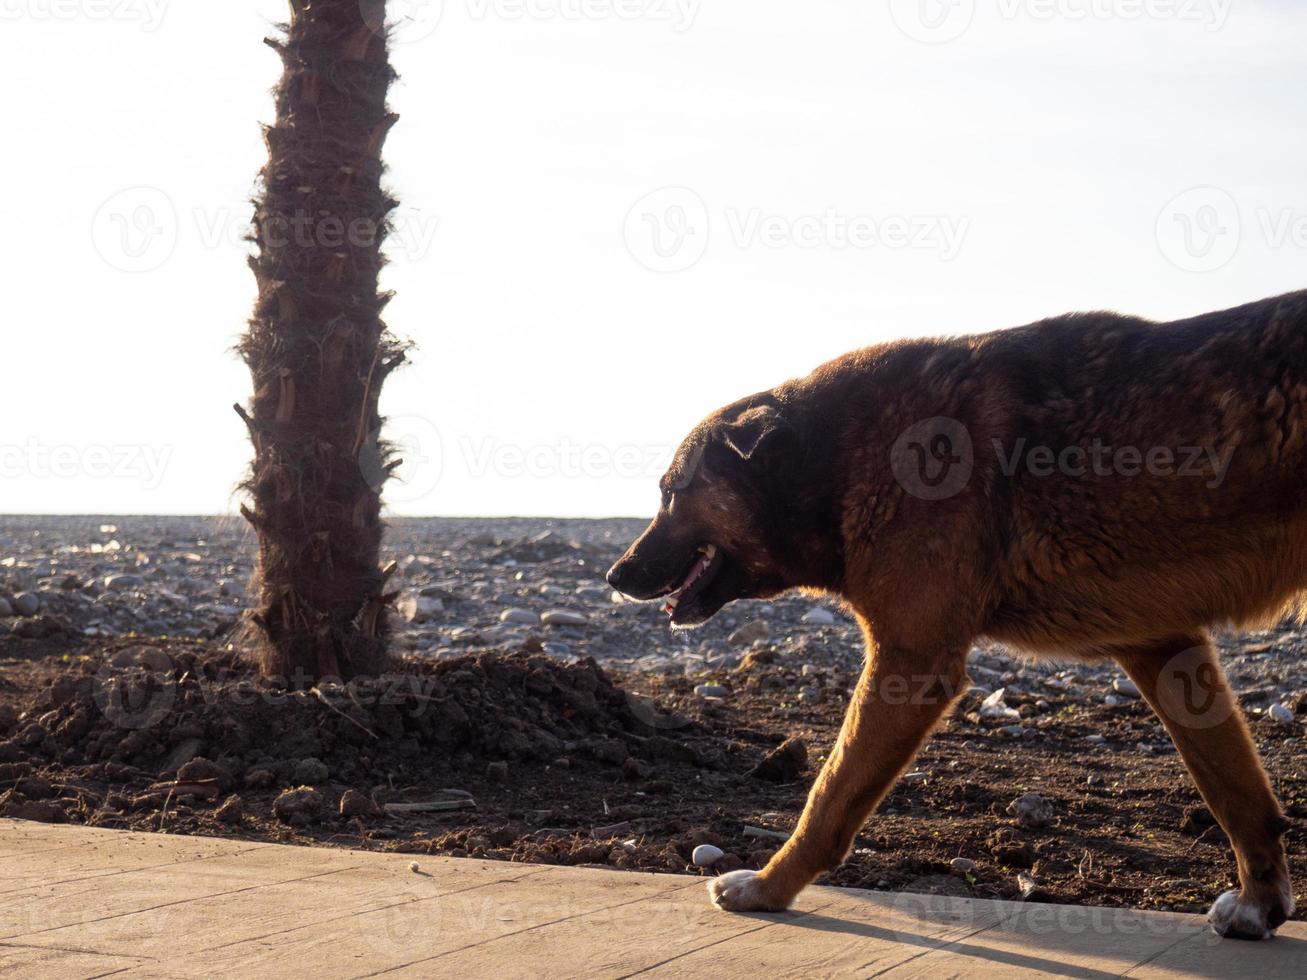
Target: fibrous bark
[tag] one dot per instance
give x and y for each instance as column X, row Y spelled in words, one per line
column 318, row 350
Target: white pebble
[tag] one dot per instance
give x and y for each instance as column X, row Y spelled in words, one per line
column 1280, row 713
column 1124, row 685
column 706, row 855
column 819, row 616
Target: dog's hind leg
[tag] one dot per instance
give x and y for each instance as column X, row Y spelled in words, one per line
column 1183, row 682
column 899, row 699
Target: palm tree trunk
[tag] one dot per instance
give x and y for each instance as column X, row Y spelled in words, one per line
column 318, row 351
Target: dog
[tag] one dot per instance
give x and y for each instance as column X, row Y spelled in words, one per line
column 1092, row 486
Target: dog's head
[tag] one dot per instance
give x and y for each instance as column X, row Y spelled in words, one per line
column 714, row 538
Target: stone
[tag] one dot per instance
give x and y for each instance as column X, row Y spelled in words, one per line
column 26, row 604
column 497, row 772
column 418, row 608
column 810, row 695
column 300, row 806
column 232, row 810
column 819, row 616
column 995, row 707
column 749, row 634
column 354, row 803
column 124, row 583
column 1031, row 811
column 563, row 617
column 1281, row 713
column 711, row 691
column 1125, row 687
column 962, row 865
column 6, row 608
column 519, row 617
column 706, row 855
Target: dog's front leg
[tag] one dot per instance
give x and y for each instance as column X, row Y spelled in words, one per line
column 899, row 699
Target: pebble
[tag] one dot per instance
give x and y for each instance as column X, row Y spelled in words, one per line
column 706, row 855
column 413, row 866
column 1126, row 687
column 5, row 608
column 995, row 707
column 519, row 617
column 563, row 617
column 418, row 608
column 354, row 803
column 962, row 865
column 1280, row 713
column 1031, row 810
column 810, row 695
column 124, row 583
column 711, row 691
column 27, row 604
column 819, row 616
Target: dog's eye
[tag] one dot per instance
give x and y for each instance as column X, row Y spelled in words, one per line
column 667, row 499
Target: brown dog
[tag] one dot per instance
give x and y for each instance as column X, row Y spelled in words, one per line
column 1090, row 486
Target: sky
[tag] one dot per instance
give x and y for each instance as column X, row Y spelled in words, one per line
column 617, row 216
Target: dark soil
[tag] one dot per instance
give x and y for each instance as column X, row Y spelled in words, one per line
column 535, row 760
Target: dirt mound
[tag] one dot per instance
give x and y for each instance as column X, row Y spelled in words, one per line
column 157, row 707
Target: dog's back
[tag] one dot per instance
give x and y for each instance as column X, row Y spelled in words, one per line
column 1173, row 493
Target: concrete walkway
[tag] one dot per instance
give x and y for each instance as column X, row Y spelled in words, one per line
column 76, row 902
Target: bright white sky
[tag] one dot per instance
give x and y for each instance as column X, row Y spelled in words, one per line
column 1038, row 153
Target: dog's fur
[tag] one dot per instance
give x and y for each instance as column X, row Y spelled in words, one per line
column 949, row 491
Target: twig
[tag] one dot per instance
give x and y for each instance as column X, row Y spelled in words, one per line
column 764, row 832
column 353, row 721
column 431, row 806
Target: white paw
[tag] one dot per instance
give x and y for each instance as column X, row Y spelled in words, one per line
column 1233, row 917
column 741, row 891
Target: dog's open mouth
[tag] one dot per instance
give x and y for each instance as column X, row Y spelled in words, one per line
column 706, row 565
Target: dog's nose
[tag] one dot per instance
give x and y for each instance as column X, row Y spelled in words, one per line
column 614, row 576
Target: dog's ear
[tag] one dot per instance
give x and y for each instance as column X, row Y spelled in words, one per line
column 750, row 429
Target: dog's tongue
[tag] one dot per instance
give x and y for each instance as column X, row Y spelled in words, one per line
column 704, row 561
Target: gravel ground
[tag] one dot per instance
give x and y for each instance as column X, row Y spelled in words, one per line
column 474, row 583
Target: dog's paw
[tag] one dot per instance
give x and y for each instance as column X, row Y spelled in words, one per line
column 743, row 891
column 1234, row 917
